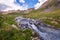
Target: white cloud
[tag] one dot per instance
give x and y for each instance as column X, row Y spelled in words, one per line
column 39, row 4
column 22, row 1
column 24, row 7
column 12, row 5
column 15, row 6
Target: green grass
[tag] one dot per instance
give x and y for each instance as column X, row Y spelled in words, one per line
column 7, row 32
column 47, row 17
column 13, row 34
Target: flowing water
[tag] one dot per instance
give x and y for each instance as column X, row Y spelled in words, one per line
column 44, row 31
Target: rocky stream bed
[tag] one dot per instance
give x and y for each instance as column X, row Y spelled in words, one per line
column 44, row 31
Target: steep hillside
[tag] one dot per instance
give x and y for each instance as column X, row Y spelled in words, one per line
column 51, row 5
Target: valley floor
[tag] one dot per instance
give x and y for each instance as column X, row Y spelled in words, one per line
column 7, row 32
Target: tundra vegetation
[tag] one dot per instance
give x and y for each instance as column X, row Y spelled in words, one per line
column 7, row 32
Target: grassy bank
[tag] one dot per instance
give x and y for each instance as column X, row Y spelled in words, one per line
column 7, row 32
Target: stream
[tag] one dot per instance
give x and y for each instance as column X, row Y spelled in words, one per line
column 44, row 31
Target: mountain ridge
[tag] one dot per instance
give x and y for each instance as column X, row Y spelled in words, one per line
column 48, row 5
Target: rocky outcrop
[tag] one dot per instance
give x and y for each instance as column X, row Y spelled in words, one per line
column 50, row 3
column 45, row 4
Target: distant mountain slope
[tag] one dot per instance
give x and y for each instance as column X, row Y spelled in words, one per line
column 48, row 6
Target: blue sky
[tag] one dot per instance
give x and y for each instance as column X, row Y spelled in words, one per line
column 30, row 3
column 20, row 4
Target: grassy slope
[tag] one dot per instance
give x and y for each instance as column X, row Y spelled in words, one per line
column 51, row 18
column 7, row 32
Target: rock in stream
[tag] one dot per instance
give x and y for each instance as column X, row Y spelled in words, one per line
column 44, row 31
